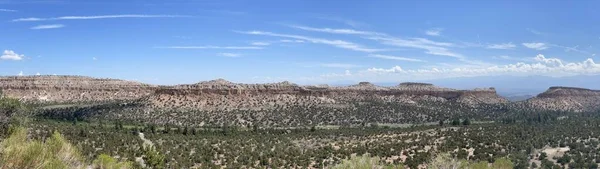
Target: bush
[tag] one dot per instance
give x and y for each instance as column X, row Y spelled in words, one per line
column 55, row 153
column 17, row 152
column 107, row 162
column 363, row 162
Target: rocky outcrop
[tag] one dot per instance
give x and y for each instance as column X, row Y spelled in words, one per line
column 221, row 93
column 71, row 88
column 566, row 99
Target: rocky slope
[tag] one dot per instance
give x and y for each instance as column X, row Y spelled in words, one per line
column 566, row 99
column 221, row 94
column 63, row 89
column 220, row 102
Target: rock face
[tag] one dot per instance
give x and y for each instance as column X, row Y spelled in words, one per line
column 223, row 94
column 71, row 89
column 566, row 99
column 219, row 92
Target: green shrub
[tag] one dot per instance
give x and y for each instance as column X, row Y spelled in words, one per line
column 104, row 161
column 18, row 152
column 364, row 162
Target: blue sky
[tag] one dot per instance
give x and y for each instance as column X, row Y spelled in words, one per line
column 307, row 42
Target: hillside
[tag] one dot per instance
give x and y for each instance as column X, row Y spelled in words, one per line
column 566, row 99
column 284, row 104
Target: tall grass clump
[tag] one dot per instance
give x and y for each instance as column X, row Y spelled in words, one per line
column 17, row 152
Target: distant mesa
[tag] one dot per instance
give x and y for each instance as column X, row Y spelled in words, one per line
column 415, row 84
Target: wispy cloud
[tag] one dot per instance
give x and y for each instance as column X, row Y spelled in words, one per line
column 509, row 45
column 231, row 55
column 535, row 31
column 335, row 31
column 97, row 17
column 574, row 49
column 536, row 45
column 431, row 47
column 212, row 47
column 339, row 65
column 336, row 43
column 395, row 58
column 260, row 43
column 434, row 32
column 53, row 26
column 11, row 55
column 7, row 10
column 291, row 41
column 505, row 57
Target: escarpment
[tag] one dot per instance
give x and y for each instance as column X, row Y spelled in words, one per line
column 64, row 89
column 566, row 99
column 223, row 94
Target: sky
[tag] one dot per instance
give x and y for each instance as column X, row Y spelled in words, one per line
column 302, row 41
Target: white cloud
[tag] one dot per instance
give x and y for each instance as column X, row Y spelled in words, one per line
column 540, row 65
column 431, row 47
column 335, row 31
column 54, row 26
column 97, row 17
column 213, row 47
column 94, row 58
column 20, row 73
column 513, row 58
column 395, row 69
column 502, row 46
column 7, row 10
column 38, row 73
column 536, row 45
column 395, row 58
column 434, row 32
column 231, row 55
column 291, row 41
column 336, row 43
column 339, row 65
column 11, row 55
column 260, row 43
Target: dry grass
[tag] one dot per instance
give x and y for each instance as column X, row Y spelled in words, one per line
column 17, row 152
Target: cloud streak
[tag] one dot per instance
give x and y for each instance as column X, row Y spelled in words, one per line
column 431, row 47
column 336, row 43
column 509, row 45
column 53, row 26
column 7, row 10
column 214, row 47
column 434, row 32
column 339, row 65
column 231, row 55
column 335, row 31
column 536, row 46
column 97, row 17
column 395, row 58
